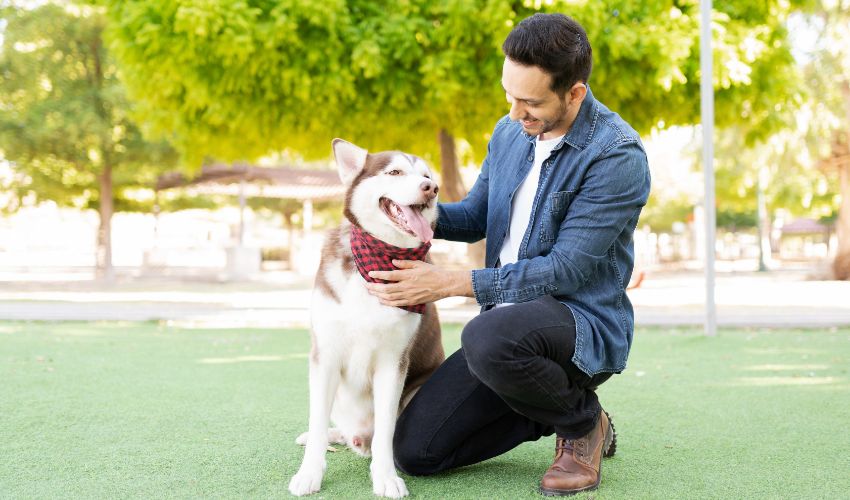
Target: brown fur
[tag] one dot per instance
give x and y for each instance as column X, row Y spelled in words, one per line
column 336, row 249
column 424, row 354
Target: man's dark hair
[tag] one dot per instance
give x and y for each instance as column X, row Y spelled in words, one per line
column 555, row 43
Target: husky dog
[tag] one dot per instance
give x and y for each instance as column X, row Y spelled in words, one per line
column 368, row 359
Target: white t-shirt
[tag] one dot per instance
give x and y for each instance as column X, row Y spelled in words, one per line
column 522, row 202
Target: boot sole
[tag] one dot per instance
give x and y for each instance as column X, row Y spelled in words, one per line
column 566, row 493
column 549, row 492
column 610, row 446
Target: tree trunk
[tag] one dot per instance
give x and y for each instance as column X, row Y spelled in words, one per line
column 452, row 188
column 841, row 265
column 105, row 270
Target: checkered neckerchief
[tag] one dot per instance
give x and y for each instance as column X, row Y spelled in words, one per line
column 372, row 254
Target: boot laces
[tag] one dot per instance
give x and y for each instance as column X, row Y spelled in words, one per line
column 563, row 445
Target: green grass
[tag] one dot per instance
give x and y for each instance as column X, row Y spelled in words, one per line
column 145, row 410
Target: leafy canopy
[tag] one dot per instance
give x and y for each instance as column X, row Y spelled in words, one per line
column 238, row 79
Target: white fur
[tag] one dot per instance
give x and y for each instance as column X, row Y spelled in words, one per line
column 357, row 380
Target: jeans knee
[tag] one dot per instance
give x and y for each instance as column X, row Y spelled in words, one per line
column 487, row 354
column 409, row 460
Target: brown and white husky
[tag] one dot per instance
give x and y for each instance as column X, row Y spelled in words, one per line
column 368, row 359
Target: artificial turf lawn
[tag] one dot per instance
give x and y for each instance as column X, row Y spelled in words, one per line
column 145, row 410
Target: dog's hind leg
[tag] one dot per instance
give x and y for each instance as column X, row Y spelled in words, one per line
column 388, row 383
column 334, row 437
column 324, row 380
column 353, row 413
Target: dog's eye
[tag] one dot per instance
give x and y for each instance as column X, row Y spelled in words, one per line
column 394, row 172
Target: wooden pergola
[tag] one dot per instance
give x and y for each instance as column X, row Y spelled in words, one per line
column 244, row 180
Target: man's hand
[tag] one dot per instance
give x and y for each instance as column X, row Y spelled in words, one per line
column 418, row 282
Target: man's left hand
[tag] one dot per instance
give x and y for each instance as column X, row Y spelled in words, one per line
column 417, row 282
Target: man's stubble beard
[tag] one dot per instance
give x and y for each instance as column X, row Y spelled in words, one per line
column 549, row 125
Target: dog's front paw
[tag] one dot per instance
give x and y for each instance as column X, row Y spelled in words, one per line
column 306, row 481
column 388, row 485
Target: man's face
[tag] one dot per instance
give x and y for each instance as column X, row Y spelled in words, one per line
column 541, row 111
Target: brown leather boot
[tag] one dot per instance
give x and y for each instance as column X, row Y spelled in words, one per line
column 578, row 462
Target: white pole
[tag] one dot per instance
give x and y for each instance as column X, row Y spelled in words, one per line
column 707, row 95
column 241, row 211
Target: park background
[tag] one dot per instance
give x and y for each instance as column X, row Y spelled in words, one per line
column 165, row 181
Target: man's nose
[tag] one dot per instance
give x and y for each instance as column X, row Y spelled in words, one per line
column 517, row 110
column 429, row 188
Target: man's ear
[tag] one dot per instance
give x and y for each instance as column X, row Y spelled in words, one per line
column 350, row 160
column 578, row 92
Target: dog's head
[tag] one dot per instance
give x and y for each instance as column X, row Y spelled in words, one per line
column 390, row 194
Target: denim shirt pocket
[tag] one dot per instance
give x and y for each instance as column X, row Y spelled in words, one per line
column 553, row 214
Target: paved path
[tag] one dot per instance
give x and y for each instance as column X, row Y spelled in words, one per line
column 779, row 299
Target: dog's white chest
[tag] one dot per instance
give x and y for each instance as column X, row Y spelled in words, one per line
column 358, row 321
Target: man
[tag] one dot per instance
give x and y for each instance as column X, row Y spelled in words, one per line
column 558, row 199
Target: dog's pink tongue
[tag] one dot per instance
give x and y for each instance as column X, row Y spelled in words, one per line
column 420, row 226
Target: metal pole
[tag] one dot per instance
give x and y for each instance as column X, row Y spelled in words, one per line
column 707, row 106
column 241, row 211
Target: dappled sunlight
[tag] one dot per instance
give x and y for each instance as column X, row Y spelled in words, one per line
column 784, row 381
column 84, row 330
column 9, row 329
column 775, row 351
column 760, row 368
column 247, row 359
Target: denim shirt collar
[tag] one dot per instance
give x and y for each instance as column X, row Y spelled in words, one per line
column 581, row 131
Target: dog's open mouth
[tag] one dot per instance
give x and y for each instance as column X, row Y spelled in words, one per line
column 408, row 218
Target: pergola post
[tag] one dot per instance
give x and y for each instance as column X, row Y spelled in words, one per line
column 242, row 204
column 307, row 223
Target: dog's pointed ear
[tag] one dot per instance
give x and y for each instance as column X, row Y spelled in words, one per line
column 350, row 160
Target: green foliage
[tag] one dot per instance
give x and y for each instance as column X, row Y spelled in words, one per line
column 237, row 79
column 735, row 220
column 647, row 63
column 660, row 214
column 788, row 179
column 64, row 116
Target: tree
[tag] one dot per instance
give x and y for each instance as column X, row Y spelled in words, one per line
column 65, row 122
column 827, row 74
column 755, row 183
column 238, row 79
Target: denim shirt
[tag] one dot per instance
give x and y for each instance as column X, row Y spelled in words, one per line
column 578, row 246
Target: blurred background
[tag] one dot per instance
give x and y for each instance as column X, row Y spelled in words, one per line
column 171, row 159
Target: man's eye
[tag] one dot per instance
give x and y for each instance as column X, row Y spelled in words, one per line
column 394, row 172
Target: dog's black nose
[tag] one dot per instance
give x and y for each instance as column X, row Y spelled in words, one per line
column 430, row 189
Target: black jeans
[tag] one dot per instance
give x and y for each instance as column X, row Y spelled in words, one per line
column 512, row 381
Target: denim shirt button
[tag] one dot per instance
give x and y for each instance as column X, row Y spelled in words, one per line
column 530, row 157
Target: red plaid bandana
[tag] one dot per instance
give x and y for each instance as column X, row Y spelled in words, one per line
column 372, row 254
